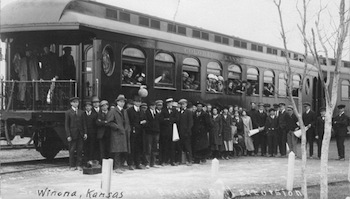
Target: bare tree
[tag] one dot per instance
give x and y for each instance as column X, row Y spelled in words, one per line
column 330, row 88
column 297, row 109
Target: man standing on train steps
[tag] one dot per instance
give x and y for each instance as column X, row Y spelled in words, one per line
column 185, row 130
column 309, row 119
column 282, row 129
column 67, row 64
column 76, row 133
column 340, row 124
column 118, row 121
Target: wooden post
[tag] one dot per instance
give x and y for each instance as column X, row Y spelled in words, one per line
column 107, row 168
column 290, row 175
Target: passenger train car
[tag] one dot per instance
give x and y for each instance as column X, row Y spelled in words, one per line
column 117, row 51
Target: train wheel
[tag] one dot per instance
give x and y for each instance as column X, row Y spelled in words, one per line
column 48, row 143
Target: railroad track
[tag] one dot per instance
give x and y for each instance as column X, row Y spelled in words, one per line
column 31, row 165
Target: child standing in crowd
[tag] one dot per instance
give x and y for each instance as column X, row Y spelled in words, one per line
column 247, row 122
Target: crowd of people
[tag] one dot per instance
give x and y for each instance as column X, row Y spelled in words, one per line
column 163, row 133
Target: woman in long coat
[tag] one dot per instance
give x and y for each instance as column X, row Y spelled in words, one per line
column 227, row 133
column 216, row 141
column 247, row 122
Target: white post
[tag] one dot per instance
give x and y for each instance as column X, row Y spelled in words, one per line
column 107, row 168
column 290, row 175
column 214, row 168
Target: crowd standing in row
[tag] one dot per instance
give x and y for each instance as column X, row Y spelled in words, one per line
column 134, row 133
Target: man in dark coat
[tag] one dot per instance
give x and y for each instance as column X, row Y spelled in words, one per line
column 76, row 133
column 200, row 129
column 271, row 128
column 90, row 145
column 185, row 130
column 118, row 120
column 68, row 70
column 309, row 119
column 260, row 138
column 282, row 129
column 292, row 125
column 103, row 131
column 136, row 137
column 151, row 135
column 340, row 124
column 167, row 119
column 320, row 130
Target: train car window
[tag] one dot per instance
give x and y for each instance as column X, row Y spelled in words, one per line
column 217, row 39
column 252, row 81
column 196, row 34
column 282, row 85
column 171, row 28
column 234, row 77
column 269, row 83
column 143, row 21
column 164, row 70
column 205, row 36
column 191, row 74
column 296, row 85
column 345, row 89
column 133, row 67
column 108, row 63
column 155, row 24
column 123, row 16
column 225, row 40
column 87, row 71
column 181, row 30
column 215, row 81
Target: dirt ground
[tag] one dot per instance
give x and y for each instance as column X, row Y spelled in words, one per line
column 240, row 175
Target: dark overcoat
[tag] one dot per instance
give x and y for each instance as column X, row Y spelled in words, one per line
column 216, row 131
column 226, row 128
column 120, row 130
column 102, row 126
column 340, row 124
column 320, row 127
column 185, row 124
column 309, row 118
column 200, row 129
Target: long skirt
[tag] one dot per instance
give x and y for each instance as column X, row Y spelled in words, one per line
column 248, row 141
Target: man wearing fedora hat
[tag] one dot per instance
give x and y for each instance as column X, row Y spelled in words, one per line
column 96, row 104
column 309, row 119
column 118, row 120
column 340, row 124
column 260, row 139
column 185, row 124
column 76, row 133
column 136, row 136
column 67, row 63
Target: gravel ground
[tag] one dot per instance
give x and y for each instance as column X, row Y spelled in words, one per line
column 240, row 175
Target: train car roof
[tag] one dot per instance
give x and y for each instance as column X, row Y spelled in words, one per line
column 73, row 14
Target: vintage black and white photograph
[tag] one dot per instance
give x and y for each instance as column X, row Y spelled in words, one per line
column 174, row 99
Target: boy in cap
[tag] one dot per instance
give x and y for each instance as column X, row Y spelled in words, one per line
column 309, row 119
column 320, row 130
column 103, row 130
column 271, row 127
column 90, row 145
column 96, row 104
column 340, row 124
column 76, row 133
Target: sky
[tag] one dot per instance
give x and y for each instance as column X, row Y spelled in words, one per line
column 255, row 20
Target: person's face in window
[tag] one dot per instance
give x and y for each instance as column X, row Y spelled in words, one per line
column 125, row 72
column 230, row 85
column 236, row 114
column 140, row 79
column 130, row 73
